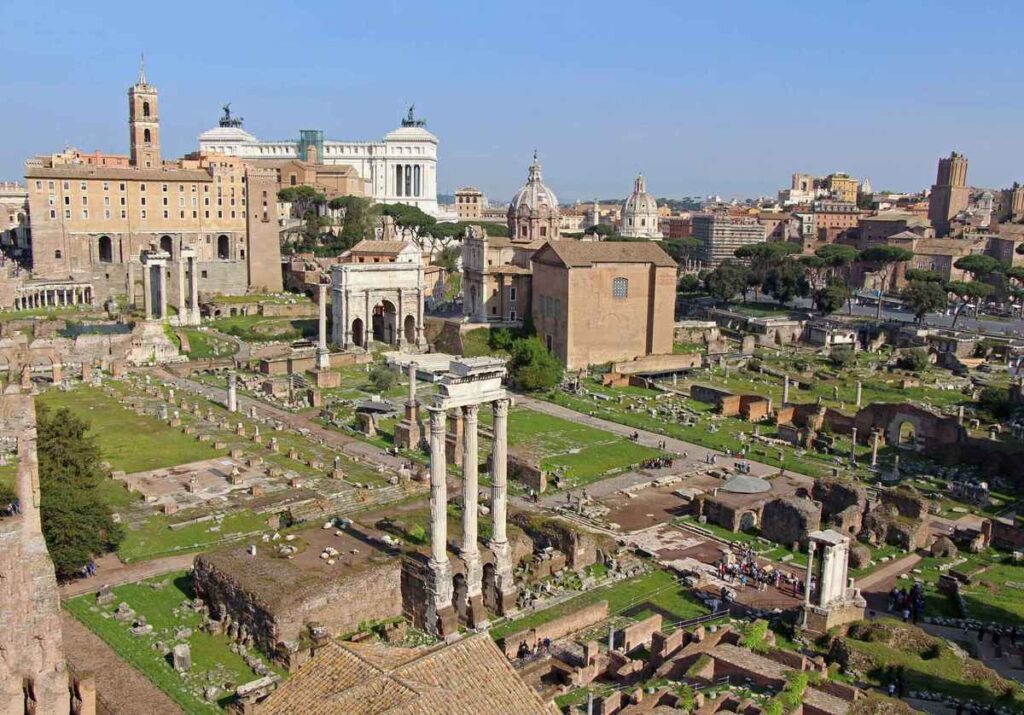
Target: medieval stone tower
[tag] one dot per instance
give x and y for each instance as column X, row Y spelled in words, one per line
column 144, row 124
column 261, row 224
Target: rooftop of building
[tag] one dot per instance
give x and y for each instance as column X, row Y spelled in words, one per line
column 583, row 254
column 92, row 171
column 381, row 247
column 469, row 677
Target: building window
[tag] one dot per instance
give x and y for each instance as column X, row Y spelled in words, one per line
column 53, row 214
column 85, row 214
column 124, row 214
column 145, row 109
column 620, row 287
column 122, row 186
column 83, row 186
column 146, row 136
column 67, row 213
column 85, row 201
column 165, row 214
column 142, row 214
column 67, row 186
column 512, row 294
column 106, row 213
column 142, row 187
column 67, row 200
column 57, row 254
column 142, row 201
column 202, row 274
column 106, row 186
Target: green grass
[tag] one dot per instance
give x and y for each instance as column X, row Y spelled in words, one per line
column 261, row 298
column 937, row 669
column 129, row 442
column 257, row 329
column 203, row 345
column 654, row 592
column 582, row 453
column 154, row 538
column 213, row 663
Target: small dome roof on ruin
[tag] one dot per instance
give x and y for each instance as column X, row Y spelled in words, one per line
column 745, row 484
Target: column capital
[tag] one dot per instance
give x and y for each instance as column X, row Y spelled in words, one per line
column 471, row 412
column 437, row 418
column 501, row 407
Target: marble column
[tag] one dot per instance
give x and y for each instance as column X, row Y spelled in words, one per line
column 785, row 390
column 438, row 490
column 853, row 446
column 232, row 392
column 860, row 388
column 147, row 289
column 162, row 283
column 323, row 356
column 808, row 578
column 470, row 551
column 874, row 448
column 183, row 316
column 499, row 473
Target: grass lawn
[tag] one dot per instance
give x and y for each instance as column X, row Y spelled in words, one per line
column 127, row 441
column 160, row 600
column 257, row 329
column 154, row 538
column 203, row 345
column 937, row 669
column 654, row 592
column 583, row 454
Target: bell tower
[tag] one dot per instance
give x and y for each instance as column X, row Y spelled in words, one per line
column 144, row 123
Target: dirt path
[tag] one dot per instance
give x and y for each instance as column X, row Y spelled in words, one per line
column 111, row 572
column 120, row 688
column 881, row 579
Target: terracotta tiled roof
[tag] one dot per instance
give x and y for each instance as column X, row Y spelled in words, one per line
column 575, row 254
column 470, row 677
column 367, row 246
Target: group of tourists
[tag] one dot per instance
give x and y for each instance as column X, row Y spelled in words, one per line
column 908, row 604
column 11, row 508
column 657, row 463
column 745, row 571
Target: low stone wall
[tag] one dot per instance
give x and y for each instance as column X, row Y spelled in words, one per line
column 558, row 628
column 641, row 633
column 659, row 363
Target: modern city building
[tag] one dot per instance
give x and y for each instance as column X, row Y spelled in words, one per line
column 720, row 235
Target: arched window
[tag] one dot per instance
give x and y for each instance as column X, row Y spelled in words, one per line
column 145, row 110
column 106, row 250
column 146, row 136
column 223, row 247
column 620, row 287
column 167, row 244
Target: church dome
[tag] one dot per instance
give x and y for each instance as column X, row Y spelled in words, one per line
column 640, row 213
column 535, row 198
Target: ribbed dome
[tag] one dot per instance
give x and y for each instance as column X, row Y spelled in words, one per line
column 534, row 197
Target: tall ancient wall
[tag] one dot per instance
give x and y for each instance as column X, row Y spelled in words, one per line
column 32, row 666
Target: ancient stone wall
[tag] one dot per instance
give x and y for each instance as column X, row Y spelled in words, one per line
column 558, row 628
column 372, row 593
column 31, row 645
column 842, row 504
column 638, row 634
column 788, row 520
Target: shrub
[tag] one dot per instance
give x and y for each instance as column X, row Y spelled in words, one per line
column 533, row 367
column 915, row 360
column 382, row 378
column 842, row 357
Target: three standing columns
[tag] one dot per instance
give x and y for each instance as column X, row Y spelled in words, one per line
column 440, row 585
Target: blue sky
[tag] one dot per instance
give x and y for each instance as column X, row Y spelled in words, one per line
column 712, row 97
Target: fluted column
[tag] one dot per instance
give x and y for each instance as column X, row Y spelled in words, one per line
column 499, row 476
column 162, row 283
column 438, row 489
column 183, row 312
column 809, row 575
column 470, row 460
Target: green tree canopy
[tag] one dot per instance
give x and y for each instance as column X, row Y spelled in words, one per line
column 923, row 297
column 978, row 265
column 688, row 284
column 681, row 248
column 533, row 367
column 726, row 281
column 77, row 523
column 831, row 298
column 410, row 217
column 448, row 258
column 786, row 281
column 923, row 275
column 837, row 254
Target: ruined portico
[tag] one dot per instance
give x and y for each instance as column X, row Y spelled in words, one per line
column 154, row 282
column 470, row 383
column 837, row 601
column 188, row 300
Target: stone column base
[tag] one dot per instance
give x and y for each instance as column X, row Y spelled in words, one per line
column 820, row 620
column 439, row 617
column 476, row 614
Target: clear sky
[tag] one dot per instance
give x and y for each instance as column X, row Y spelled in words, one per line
column 709, row 97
